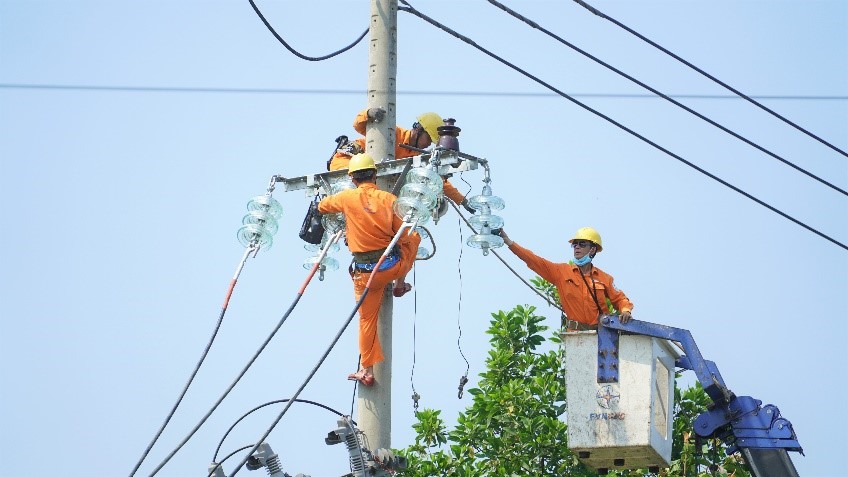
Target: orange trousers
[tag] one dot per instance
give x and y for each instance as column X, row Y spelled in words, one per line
column 369, row 342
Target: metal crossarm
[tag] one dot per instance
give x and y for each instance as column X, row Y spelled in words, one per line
column 450, row 162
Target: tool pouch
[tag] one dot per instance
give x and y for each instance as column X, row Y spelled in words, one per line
column 312, row 229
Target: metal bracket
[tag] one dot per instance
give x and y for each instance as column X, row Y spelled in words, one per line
column 705, row 371
column 607, row 355
column 450, row 162
column 745, row 423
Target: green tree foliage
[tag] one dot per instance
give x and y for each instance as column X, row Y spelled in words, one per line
column 512, row 426
column 515, row 426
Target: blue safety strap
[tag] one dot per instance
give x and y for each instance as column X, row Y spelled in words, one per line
column 388, row 263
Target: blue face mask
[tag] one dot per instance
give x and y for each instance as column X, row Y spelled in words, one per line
column 582, row 261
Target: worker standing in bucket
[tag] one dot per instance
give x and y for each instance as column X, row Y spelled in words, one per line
column 583, row 288
column 423, row 133
column 371, row 226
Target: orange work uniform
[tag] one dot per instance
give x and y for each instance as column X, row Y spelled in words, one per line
column 574, row 294
column 371, row 226
column 402, row 136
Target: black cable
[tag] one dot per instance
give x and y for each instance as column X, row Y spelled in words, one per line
column 244, row 416
column 616, row 123
column 218, row 464
column 662, row 95
column 415, row 395
column 305, row 382
column 726, row 86
column 432, row 242
column 355, row 385
column 203, row 355
column 300, row 293
column 295, row 52
column 182, row 394
column 459, row 300
column 224, row 395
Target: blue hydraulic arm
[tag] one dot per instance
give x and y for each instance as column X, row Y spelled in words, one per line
column 758, row 432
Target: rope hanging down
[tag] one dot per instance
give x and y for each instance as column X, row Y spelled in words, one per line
column 463, row 380
column 664, row 96
column 409, row 9
column 704, row 73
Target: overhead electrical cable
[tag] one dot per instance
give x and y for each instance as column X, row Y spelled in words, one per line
column 467, row 40
column 295, row 52
column 218, row 464
column 259, row 351
column 517, row 94
column 244, row 416
column 699, row 70
column 662, row 95
column 253, row 249
column 335, row 340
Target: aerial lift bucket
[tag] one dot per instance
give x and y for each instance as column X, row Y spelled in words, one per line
column 625, row 424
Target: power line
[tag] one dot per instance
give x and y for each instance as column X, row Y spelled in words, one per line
column 278, row 401
column 254, row 358
column 251, row 249
column 310, row 91
column 726, row 86
column 409, row 9
column 315, row 368
column 295, row 52
column 535, row 25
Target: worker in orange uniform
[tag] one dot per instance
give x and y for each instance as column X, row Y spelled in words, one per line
column 421, row 136
column 583, row 288
column 371, row 226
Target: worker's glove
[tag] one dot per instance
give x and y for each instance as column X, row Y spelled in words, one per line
column 351, row 149
column 376, row 114
column 496, row 232
column 467, row 206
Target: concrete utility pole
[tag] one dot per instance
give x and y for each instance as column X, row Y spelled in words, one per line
column 374, row 404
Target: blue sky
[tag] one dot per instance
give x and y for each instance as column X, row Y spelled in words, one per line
column 110, row 297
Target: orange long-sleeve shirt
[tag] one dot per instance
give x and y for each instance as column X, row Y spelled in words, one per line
column 371, row 225
column 575, row 296
column 371, row 222
column 402, row 136
column 341, row 160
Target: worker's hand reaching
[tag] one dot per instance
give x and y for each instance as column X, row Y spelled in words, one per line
column 625, row 317
column 505, row 237
column 376, row 114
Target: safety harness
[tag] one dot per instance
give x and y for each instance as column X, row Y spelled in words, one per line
column 365, row 261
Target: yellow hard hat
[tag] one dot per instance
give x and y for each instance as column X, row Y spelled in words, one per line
column 430, row 122
column 360, row 162
column 590, row 234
